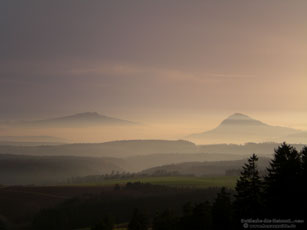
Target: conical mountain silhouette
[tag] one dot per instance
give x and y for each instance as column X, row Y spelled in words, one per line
column 240, row 119
column 240, row 128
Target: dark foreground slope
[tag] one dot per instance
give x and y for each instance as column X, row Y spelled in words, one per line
column 78, row 207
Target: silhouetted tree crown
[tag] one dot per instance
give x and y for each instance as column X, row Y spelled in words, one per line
column 304, row 162
column 283, row 185
column 280, row 194
column 304, row 182
column 249, row 190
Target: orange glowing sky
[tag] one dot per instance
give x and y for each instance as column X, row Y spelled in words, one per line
column 160, row 62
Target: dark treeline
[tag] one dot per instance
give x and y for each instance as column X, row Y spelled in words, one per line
column 274, row 200
column 276, row 197
column 120, row 175
column 279, row 195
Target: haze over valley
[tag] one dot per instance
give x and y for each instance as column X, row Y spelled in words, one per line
column 89, row 127
column 34, row 159
column 153, row 115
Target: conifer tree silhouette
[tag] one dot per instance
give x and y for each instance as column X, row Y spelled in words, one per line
column 304, row 183
column 248, row 200
column 282, row 183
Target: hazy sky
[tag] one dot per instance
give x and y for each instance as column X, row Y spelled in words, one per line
column 154, row 59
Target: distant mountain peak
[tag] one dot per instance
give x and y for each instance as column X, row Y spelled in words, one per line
column 87, row 115
column 240, row 128
column 79, row 119
column 90, row 117
column 240, row 119
column 239, row 116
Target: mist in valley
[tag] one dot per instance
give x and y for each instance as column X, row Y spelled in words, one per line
column 162, row 115
column 67, row 150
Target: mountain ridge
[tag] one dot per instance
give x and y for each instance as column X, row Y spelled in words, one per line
column 77, row 119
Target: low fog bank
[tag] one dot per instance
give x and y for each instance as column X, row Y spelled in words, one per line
column 92, row 127
column 20, row 169
column 46, row 170
column 131, row 148
column 214, row 168
column 57, row 163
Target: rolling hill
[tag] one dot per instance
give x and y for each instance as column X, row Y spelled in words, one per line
column 123, row 148
column 31, row 140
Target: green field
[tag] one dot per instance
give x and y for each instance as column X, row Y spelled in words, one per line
column 175, row 181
